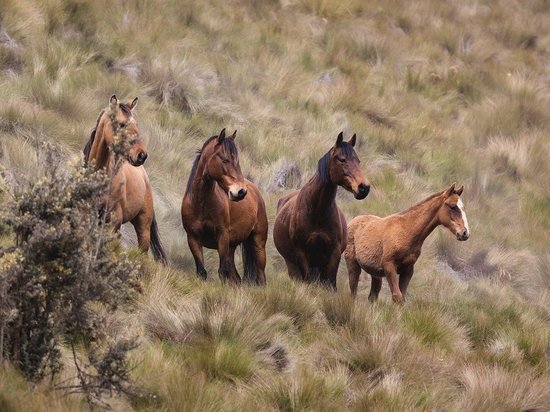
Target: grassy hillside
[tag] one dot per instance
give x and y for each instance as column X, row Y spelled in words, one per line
column 436, row 91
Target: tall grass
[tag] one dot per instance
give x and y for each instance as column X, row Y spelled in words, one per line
column 437, row 92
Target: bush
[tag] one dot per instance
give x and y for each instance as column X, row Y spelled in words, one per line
column 61, row 278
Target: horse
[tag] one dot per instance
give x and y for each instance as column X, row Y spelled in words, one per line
column 129, row 198
column 310, row 231
column 222, row 210
column 391, row 246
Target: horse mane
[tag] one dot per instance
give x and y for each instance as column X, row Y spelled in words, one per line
column 228, row 146
column 420, row 204
column 88, row 148
column 323, row 166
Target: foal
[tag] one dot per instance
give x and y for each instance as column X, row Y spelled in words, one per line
column 310, row 230
column 221, row 210
column 130, row 198
column 390, row 246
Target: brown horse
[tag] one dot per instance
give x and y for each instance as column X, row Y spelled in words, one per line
column 130, row 198
column 310, row 230
column 221, row 210
column 390, row 246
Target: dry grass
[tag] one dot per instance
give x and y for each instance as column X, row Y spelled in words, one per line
column 437, row 92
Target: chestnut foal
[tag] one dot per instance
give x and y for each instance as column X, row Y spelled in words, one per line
column 390, row 246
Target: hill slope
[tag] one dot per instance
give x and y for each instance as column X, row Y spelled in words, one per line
column 437, row 92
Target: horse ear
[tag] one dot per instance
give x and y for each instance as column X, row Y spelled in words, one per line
column 459, row 190
column 113, row 100
column 133, row 104
column 340, row 139
column 450, row 190
column 221, row 136
column 232, row 137
column 353, row 140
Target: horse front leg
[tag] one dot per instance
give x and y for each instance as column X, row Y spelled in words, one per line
column 196, row 250
column 225, row 262
column 330, row 272
column 233, row 273
column 391, row 275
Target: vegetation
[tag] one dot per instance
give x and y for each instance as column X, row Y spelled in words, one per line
column 437, row 92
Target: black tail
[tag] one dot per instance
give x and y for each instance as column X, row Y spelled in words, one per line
column 313, row 275
column 156, row 244
column 249, row 261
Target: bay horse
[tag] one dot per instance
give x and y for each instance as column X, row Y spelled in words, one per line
column 221, row 210
column 310, row 230
column 390, row 246
column 130, row 198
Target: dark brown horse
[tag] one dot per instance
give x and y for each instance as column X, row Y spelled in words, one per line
column 390, row 246
column 221, row 210
column 130, row 198
column 310, row 230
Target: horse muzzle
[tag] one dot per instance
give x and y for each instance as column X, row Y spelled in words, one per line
column 362, row 191
column 139, row 160
column 463, row 235
column 237, row 195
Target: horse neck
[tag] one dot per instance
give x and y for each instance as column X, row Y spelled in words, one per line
column 202, row 188
column 318, row 197
column 100, row 150
column 424, row 218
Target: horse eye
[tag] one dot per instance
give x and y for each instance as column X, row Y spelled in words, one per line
column 453, row 207
column 122, row 125
column 225, row 160
column 342, row 159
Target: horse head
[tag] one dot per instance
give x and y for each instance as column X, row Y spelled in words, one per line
column 223, row 165
column 452, row 214
column 344, row 170
column 121, row 127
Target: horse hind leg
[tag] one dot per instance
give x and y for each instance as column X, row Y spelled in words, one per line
column 254, row 258
column 354, row 273
column 375, row 287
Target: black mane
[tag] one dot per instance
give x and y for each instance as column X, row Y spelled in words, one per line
column 228, row 147
column 323, row 166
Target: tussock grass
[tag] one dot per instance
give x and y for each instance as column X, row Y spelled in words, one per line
column 436, row 93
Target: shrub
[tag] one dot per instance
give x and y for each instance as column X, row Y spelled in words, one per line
column 62, row 277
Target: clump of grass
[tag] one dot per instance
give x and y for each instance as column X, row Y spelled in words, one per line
column 493, row 388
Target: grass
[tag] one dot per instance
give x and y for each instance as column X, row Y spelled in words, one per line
column 437, row 93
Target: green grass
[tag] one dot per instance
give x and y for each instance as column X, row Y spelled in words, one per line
column 437, row 93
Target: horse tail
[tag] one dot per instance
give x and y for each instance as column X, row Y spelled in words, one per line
column 313, row 274
column 249, row 261
column 156, row 244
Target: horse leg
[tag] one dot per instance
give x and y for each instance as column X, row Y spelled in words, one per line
column 233, row 273
column 375, row 286
column 404, row 279
column 354, row 272
column 294, row 270
column 142, row 226
column 116, row 218
column 259, row 248
column 196, row 250
column 330, row 272
column 391, row 276
column 225, row 262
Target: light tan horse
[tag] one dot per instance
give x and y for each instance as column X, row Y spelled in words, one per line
column 390, row 246
column 130, row 197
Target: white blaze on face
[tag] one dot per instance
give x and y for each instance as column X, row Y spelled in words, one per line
column 464, row 218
